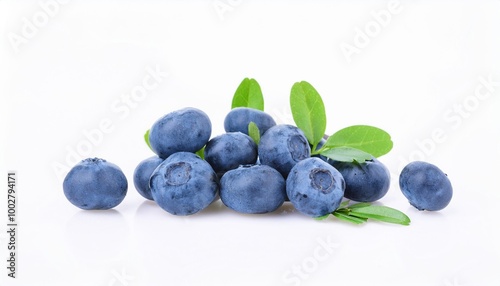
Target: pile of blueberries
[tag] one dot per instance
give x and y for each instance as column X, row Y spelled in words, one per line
column 191, row 170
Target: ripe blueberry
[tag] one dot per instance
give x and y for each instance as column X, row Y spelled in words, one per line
column 187, row 129
column 282, row 146
column 239, row 118
column 425, row 186
column 365, row 182
column 95, row 184
column 184, row 184
column 230, row 150
column 142, row 174
column 314, row 187
column 253, row 189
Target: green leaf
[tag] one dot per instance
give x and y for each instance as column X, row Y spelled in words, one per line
column 369, row 139
column 344, row 204
column 253, row 132
column 381, row 213
column 201, row 153
column 248, row 94
column 346, row 154
column 308, row 111
column 146, row 138
column 360, row 212
column 359, row 205
column 322, row 217
column 349, row 218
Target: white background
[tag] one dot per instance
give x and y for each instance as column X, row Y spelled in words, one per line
column 67, row 68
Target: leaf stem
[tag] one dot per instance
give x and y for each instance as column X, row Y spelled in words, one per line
column 313, row 148
column 317, row 152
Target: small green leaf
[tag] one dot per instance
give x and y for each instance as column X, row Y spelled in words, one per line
column 359, row 205
column 346, row 154
column 308, row 111
column 201, row 153
column 248, row 94
column 369, row 139
column 381, row 213
column 253, row 132
column 360, row 212
column 344, row 204
column 322, row 217
column 146, row 138
column 348, row 218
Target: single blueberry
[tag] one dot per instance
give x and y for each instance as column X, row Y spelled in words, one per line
column 239, row 118
column 425, row 186
column 228, row 151
column 95, row 184
column 365, row 182
column 184, row 184
column 142, row 174
column 314, row 187
column 253, row 189
column 283, row 146
column 187, row 129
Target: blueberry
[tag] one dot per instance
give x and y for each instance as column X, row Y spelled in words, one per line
column 425, row 186
column 184, row 184
column 142, row 174
column 239, row 118
column 228, row 151
column 365, row 182
column 95, row 184
column 187, row 129
column 253, row 189
column 314, row 187
column 282, row 146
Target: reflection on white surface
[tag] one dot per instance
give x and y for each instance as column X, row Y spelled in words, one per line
column 418, row 75
column 96, row 236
